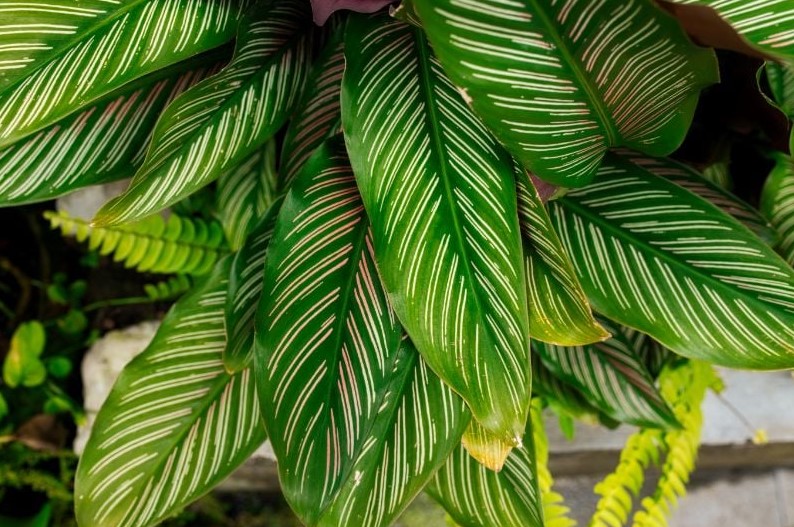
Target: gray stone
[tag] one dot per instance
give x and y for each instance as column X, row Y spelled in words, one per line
column 85, row 202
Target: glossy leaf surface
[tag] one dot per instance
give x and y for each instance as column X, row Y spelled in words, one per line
column 441, row 197
column 777, row 203
column 175, row 424
column 559, row 83
column 56, row 56
column 240, row 108
column 669, row 263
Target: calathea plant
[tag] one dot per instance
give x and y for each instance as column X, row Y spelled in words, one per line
column 395, row 298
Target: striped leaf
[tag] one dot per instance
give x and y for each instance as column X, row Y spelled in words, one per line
column 560, row 395
column 246, row 192
column 59, row 55
column 477, row 497
column 691, row 180
column 613, row 378
column 103, row 142
column 220, row 122
column 777, row 204
column 318, row 116
column 349, row 405
column 559, row 312
column 767, row 25
column 245, row 290
column 175, row 424
column 781, row 84
column 559, row 83
column 441, row 197
column 653, row 256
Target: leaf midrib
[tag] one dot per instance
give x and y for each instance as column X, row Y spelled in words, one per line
column 582, row 76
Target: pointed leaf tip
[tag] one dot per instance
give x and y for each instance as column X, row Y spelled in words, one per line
column 489, row 450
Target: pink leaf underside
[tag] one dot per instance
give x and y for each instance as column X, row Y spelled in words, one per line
column 545, row 190
column 325, row 8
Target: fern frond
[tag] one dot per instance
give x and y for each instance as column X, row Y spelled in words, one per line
column 154, row 245
column 684, row 388
column 554, row 510
column 168, row 289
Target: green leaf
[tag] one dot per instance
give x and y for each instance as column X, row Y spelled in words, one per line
column 175, row 424
column 559, row 312
column 245, row 290
column 764, row 24
column 240, row 108
column 246, row 192
column 781, row 84
column 318, row 116
column 612, row 377
column 690, row 179
column 441, row 197
column 653, row 256
column 477, row 497
column 57, row 56
column 561, row 396
column 357, row 421
column 103, row 142
column 559, row 83
column 3, row 407
column 777, row 204
column 154, row 245
column 22, row 366
column 59, row 367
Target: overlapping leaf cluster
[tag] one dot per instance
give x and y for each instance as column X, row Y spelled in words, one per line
column 400, row 284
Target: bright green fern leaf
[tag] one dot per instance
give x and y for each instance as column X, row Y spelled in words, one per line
column 555, row 513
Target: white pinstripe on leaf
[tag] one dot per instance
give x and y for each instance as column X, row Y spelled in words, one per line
column 441, row 197
column 653, row 256
column 561, row 81
column 781, row 85
column 347, row 401
column 175, row 423
column 59, row 55
column 218, row 123
column 777, row 202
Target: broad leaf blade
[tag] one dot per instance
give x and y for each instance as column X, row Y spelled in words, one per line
column 777, row 203
column 240, row 108
column 653, row 256
column 781, row 84
column 57, row 56
column 104, row 142
column 613, row 378
column 559, row 83
column 559, row 312
column 441, row 196
column 175, row 424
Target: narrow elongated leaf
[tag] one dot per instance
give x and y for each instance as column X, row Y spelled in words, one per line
column 477, row 497
column 240, row 108
column 441, row 196
column 346, row 399
column 175, row 424
column 767, row 25
column 777, row 203
column 559, row 312
column 318, row 116
column 654, row 256
column 103, row 142
column 560, row 395
column 58, row 55
column 559, row 83
column 781, row 84
column 613, row 378
column 245, row 291
column 246, row 192
column 689, row 179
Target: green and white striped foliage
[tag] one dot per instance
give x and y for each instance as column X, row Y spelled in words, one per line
column 441, row 197
column 559, row 312
column 767, row 25
column 613, row 378
column 781, row 85
column 561, row 396
column 671, row 264
column 246, row 192
column 560, row 82
column 318, row 115
column 240, row 109
column 357, row 421
column 103, row 142
column 690, row 179
column 475, row 496
column 60, row 55
column 175, row 424
column 777, row 204
column 245, row 290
